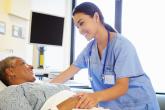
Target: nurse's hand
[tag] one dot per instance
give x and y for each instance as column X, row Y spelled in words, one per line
column 87, row 100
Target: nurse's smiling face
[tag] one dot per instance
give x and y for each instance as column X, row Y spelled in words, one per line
column 86, row 24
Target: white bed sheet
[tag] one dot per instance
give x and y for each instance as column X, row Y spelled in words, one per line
column 56, row 99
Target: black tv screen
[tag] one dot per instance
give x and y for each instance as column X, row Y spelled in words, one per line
column 46, row 29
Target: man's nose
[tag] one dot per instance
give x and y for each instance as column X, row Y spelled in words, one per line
column 30, row 66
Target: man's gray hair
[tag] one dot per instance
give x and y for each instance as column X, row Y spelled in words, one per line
column 4, row 64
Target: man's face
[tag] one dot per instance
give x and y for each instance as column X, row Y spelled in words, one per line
column 23, row 71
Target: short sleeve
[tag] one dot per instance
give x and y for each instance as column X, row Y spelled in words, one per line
column 127, row 62
column 82, row 59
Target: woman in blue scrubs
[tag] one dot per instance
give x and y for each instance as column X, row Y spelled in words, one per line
column 115, row 72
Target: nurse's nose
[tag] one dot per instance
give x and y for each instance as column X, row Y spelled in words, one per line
column 80, row 30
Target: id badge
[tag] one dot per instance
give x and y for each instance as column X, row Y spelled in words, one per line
column 109, row 79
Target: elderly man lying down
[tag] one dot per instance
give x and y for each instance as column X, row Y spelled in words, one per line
column 28, row 96
column 23, row 94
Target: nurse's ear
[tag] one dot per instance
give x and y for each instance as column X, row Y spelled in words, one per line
column 96, row 17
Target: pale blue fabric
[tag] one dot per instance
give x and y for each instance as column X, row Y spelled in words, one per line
column 28, row 96
column 122, row 61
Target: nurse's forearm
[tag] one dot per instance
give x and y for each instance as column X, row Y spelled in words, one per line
column 67, row 74
column 116, row 91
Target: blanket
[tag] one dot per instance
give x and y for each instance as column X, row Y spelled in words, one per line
column 53, row 101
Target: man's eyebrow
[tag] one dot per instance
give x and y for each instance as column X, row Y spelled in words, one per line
column 22, row 62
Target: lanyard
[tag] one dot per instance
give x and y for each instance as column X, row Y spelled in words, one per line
column 106, row 52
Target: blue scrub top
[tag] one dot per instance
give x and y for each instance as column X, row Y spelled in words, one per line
column 121, row 61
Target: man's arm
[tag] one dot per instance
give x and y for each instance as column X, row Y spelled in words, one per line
column 68, row 104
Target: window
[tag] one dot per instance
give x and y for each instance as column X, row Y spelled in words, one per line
column 143, row 24
column 108, row 10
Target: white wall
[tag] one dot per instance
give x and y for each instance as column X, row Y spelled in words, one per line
column 60, row 55
column 19, row 12
column 10, row 16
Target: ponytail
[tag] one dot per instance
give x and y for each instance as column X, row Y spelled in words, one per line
column 109, row 28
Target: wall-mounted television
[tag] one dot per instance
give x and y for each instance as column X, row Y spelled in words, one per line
column 46, row 29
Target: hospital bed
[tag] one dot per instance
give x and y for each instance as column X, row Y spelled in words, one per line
column 27, row 97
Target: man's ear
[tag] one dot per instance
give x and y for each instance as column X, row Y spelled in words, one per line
column 9, row 72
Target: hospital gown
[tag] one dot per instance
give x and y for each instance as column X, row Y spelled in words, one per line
column 28, row 96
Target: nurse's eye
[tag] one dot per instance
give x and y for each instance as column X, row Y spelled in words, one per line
column 81, row 23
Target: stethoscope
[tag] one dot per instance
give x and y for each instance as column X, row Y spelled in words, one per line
column 104, row 62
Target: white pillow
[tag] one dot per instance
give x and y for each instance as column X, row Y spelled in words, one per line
column 2, row 86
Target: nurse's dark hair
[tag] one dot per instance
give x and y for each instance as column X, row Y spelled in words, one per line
column 90, row 9
column 4, row 64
